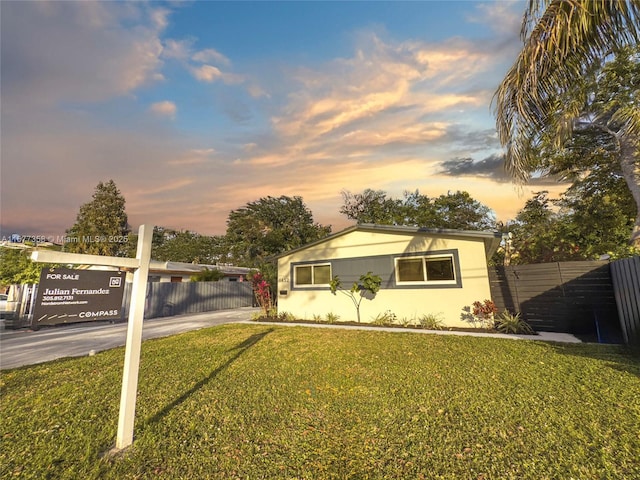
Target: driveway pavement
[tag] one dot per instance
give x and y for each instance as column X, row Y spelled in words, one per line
column 27, row 347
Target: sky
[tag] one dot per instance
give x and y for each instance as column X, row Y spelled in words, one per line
column 195, row 109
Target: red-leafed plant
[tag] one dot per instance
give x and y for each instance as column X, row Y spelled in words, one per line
column 262, row 293
column 484, row 312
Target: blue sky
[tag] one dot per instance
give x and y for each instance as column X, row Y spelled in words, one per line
column 196, row 108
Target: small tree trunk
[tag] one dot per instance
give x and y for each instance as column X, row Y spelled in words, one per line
column 630, row 165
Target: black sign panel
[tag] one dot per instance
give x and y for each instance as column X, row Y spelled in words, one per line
column 69, row 296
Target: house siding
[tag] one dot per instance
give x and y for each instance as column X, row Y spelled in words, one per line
column 358, row 252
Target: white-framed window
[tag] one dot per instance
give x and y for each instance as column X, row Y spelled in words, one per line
column 311, row 275
column 427, row 269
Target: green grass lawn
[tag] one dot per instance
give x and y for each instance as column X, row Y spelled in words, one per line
column 256, row 401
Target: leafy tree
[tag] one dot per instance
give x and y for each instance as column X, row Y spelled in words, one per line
column 575, row 68
column 372, row 206
column 207, row 275
column 587, row 221
column 16, row 267
column 454, row 210
column 368, row 287
column 459, row 211
column 270, row 226
column 539, row 235
column 598, row 205
column 187, row 247
column 101, row 226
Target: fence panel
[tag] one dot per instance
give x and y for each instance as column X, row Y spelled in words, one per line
column 574, row 297
column 625, row 274
column 167, row 299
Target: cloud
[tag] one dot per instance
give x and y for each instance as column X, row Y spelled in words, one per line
column 503, row 17
column 406, row 84
column 210, row 55
column 46, row 58
column 209, row 74
column 387, row 115
column 491, row 167
column 164, row 109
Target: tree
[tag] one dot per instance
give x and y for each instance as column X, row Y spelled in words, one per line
column 368, row 287
column 549, row 89
column 16, row 267
column 371, row 206
column 269, row 226
column 591, row 219
column 454, row 210
column 207, row 275
column 459, row 211
column 538, row 234
column 186, row 246
column 101, row 226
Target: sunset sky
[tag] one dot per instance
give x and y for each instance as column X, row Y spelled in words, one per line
column 196, row 108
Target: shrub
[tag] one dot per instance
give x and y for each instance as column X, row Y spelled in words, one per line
column 286, row 317
column 405, row 322
column 332, row 317
column 510, row 323
column 262, row 292
column 386, row 318
column 484, row 313
column 431, row 321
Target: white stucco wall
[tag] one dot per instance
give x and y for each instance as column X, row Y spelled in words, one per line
column 405, row 303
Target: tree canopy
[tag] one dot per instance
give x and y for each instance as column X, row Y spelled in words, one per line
column 101, row 226
column 16, row 267
column 578, row 67
column 186, row 246
column 455, row 210
column 269, row 226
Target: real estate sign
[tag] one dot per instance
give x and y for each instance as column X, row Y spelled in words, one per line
column 69, row 296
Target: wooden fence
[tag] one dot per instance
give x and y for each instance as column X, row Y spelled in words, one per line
column 625, row 274
column 572, row 297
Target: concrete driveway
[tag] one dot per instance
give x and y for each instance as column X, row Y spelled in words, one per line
column 27, row 347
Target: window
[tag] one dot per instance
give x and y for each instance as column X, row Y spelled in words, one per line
column 426, row 269
column 311, row 275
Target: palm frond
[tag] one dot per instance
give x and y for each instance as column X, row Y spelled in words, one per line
column 563, row 39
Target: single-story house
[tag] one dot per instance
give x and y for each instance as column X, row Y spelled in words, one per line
column 176, row 272
column 182, row 272
column 424, row 271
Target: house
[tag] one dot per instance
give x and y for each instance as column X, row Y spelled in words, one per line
column 423, row 271
column 177, row 272
column 182, row 272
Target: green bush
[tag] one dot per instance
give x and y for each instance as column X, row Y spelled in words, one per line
column 510, row 323
column 431, row 321
column 386, row 318
column 332, row 317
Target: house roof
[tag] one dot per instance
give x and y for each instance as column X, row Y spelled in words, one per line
column 158, row 266
column 491, row 239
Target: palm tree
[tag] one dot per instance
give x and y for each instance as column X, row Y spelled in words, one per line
column 542, row 96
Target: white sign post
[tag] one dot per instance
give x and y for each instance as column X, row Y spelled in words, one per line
column 134, row 328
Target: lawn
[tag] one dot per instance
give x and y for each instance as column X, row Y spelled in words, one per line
column 256, row 401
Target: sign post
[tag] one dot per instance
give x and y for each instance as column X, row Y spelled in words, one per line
column 134, row 328
column 134, row 342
